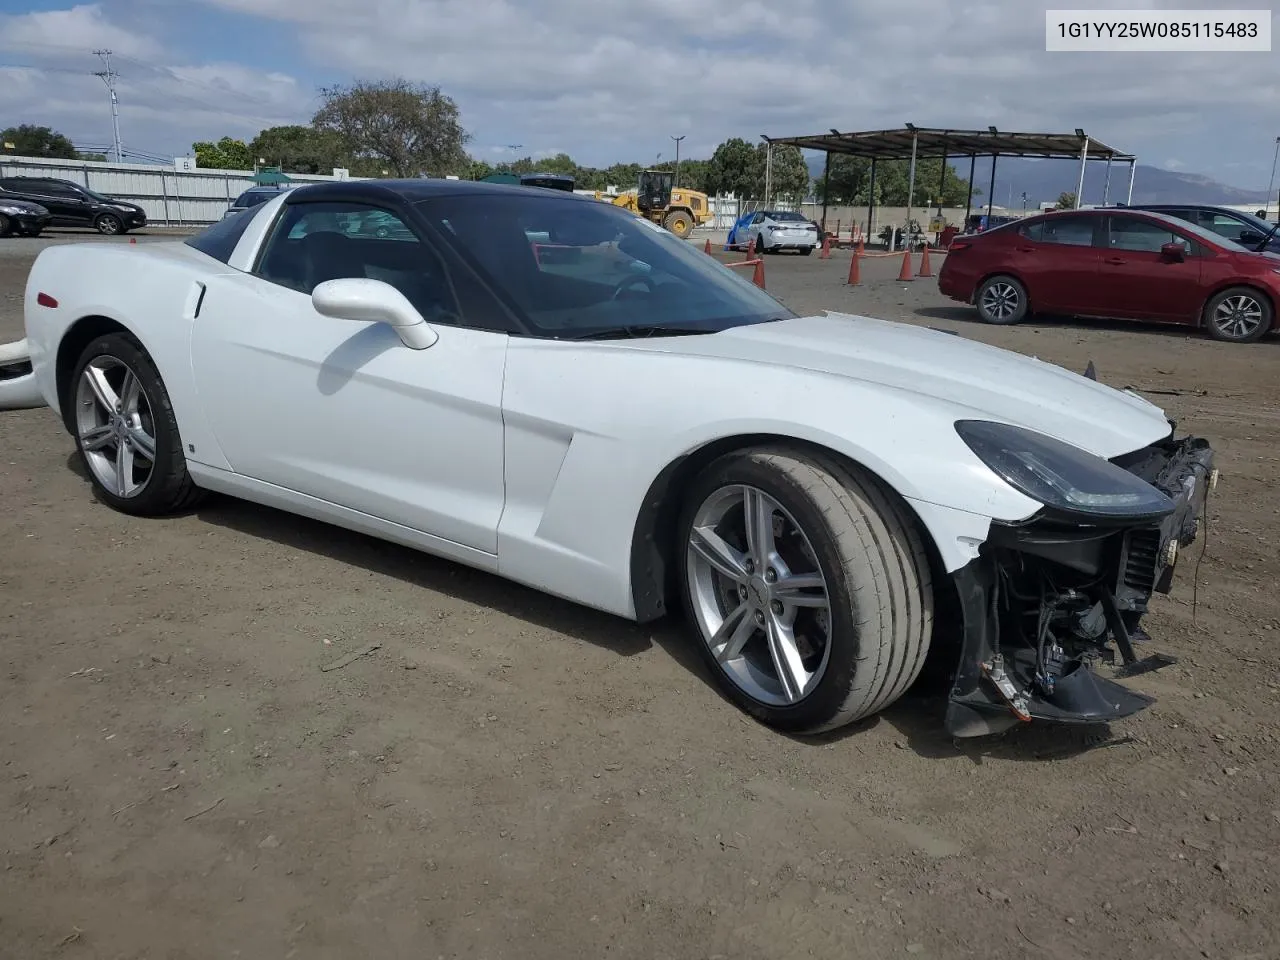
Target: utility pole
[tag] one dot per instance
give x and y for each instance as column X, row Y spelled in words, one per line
column 1271, row 183
column 681, row 137
column 109, row 77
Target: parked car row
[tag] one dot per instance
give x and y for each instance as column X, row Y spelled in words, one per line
column 67, row 204
column 1125, row 263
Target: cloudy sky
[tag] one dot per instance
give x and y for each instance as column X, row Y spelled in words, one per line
column 609, row 80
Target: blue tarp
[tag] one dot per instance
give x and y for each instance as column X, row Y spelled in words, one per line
column 741, row 224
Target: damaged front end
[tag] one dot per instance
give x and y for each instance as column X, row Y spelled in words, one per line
column 1050, row 597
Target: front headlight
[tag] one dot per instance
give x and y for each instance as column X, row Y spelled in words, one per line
column 1060, row 476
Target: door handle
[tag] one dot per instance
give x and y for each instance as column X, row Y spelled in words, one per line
column 1115, row 260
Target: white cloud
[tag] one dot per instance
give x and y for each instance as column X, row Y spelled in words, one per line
column 613, row 79
column 616, row 77
column 79, row 28
column 164, row 105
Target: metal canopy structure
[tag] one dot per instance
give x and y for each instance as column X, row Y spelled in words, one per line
column 915, row 143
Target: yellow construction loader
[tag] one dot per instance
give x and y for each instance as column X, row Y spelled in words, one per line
column 677, row 209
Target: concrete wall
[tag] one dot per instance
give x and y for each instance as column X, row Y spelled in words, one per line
column 167, row 195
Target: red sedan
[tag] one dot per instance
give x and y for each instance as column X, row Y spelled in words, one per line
column 1115, row 263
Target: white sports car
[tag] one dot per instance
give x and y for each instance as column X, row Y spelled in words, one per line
column 566, row 395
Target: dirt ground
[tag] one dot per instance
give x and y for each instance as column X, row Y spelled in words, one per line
column 512, row 776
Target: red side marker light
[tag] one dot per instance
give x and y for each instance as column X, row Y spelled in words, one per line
column 45, row 300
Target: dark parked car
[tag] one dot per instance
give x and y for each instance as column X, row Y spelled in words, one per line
column 22, row 217
column 1118, row 263
column 73, row 205
column 253, row 197
column 1251, row 232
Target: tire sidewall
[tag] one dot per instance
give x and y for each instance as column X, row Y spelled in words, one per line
column 1018, row 315
column 845, row 642
column 105, row 219
column 1212, row 306
column 125, row 349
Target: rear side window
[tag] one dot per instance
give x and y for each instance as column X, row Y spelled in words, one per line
column 1068, row 231
column 219, row 240
column 251, row 198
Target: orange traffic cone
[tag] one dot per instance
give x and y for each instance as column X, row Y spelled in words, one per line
column 133, row 239
column 707, row 247
column 757, row 275
column 861, row 250
column 751, row 248
column 826, row 246
column 905, row 272
column 855, row 272
column 925, row 270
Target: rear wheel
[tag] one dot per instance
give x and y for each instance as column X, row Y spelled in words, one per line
column 806, row 250
column 126, row 431
column 108, row 224
column 1001, row 300
column 807, row 585
column 1238, row 315
column 679, row 223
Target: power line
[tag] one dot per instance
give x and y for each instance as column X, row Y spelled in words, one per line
column 109, row 77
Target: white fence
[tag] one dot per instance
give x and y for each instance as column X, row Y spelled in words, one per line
column 169, row 196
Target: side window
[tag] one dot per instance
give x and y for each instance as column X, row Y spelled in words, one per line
column 758, row 218
column 53, row 188
column 1068, row 231
column 1142, row 236
column 315, row 242
column 1225, row 226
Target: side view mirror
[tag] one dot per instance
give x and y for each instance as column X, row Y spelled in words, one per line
column 1173, row 251
column 1249, row 236
column 372, row 301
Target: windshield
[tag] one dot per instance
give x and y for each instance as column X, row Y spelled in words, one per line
column 787, row 215
column 572, row 267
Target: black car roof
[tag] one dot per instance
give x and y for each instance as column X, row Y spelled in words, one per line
column 416, row 190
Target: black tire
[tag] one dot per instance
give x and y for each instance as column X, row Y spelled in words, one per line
column 806, row 250
column 5, row 225
column 169, row 488
column 1226, row 327
column 995, row 295
column 761, row 249
column 878, row 576
column 108, row 224
column 679, row 223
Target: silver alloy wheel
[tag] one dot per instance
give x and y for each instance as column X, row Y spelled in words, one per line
column 115, row 427
column 1000, row 301
column 759, row 597
column 1238, row 316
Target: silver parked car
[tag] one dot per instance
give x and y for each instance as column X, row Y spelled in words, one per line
column 254, row 196
column 776, row 230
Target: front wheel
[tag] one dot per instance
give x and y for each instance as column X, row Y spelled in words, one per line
column 125, row 429
column 679, row 223
column 1238, row 315
column 1002, row 300
column 808, row 586
column 108, row 224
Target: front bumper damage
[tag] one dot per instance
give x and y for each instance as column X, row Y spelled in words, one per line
column 1047, row 599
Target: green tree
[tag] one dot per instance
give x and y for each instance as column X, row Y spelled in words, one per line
column 298, row 149
column 32, row 141
column 732, row 168
column 1067, row 200
column 412, row 129
column 227, row 154
column 788, row 174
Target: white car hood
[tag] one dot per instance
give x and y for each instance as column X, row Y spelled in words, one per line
column 978, row 380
